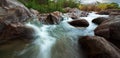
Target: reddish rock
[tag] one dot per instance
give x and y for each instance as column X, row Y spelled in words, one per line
column 34, row 12
column 112, row 14
column 72, row 15
column 52, row 18
column 98, row 47
column 103, row 13
column 99, row 20
column 110, row 29
column 107, row 12
column 15, row 32
column 84, row 14
column 13, row 11
column 79, row 23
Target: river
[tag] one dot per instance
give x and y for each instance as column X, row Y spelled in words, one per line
column 57, row 41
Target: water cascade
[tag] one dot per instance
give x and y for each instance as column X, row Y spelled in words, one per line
column 58, row 41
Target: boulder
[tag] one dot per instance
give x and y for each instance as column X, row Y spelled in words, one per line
column 98, row 47
column 103, row 13
column 112, row 14
column 52, row 18
column 14, row 38
column 110, row 29
column 34, row 12
column 107, row 12
column 13, row 11
column 79, row 23
column 72, row 15
column 14, row 35
column 16, row 31
column 84, row 14
column 99, row 20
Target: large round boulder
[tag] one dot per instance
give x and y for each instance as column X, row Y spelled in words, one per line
column 98, row 47
column 79, row 23
column 110, row 29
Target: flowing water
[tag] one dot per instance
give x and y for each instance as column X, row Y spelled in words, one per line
column 57, row 41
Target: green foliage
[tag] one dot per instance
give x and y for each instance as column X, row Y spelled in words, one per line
column 113, row 6
column 102, row 6
column 46, row 6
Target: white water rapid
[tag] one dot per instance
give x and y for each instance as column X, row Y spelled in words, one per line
column 58, row 41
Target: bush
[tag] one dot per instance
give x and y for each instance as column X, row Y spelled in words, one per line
column 113, row 6
column 46, row 6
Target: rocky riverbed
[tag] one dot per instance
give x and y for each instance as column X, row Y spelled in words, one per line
column 25, row 33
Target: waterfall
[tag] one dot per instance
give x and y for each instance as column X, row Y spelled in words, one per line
column 57, row 41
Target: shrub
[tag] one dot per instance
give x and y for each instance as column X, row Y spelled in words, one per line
column 46, row 6
column 113, row 6
column 102, row 6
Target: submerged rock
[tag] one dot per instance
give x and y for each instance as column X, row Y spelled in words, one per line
column 98, row 47
column 99, row 20
column 110, row 29
column 79, row 23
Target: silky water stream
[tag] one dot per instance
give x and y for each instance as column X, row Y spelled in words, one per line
column 58, row 41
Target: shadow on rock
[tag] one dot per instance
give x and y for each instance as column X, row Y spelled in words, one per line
column 98, row 47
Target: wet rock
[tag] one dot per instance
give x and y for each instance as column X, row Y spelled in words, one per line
column 99, row 20
column 114, row 30
column 72, row 15
column 13, row 11
column 3, row 3
column 34, row 12
column 110, row 29
column 103, row 13
column 84, row 14
column 14, row 38
column 79, row 23
column 53, row 18
column 42, row 17
column 16, row 31
column 107, row 12
column 74, row 10
column 112, row 14
column 98, row 47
